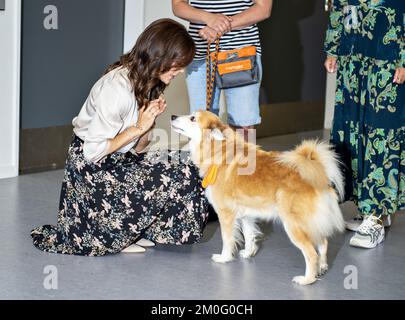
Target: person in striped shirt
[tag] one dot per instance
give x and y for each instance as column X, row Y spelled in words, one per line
column 235, row 22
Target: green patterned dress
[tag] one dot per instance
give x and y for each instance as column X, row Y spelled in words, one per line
column 367, row 37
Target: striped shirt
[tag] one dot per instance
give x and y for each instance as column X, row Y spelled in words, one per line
column 232, row 40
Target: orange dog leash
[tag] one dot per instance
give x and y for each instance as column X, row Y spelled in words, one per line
column 211, row 175
column 211, row 73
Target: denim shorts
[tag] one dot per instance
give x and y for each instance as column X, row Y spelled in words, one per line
column 242, row 103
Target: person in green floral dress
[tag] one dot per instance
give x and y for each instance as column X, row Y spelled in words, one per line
column 365, row 45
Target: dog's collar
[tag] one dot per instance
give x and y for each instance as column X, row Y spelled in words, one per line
column 211, row 176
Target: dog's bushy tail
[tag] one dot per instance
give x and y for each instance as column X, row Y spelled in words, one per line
column 317, row 164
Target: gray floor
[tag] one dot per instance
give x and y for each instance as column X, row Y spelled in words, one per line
column 167, row 272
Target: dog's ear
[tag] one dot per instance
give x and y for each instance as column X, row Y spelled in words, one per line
column 217, row 134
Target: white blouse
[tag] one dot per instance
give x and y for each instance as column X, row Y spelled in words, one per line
column 109, row 109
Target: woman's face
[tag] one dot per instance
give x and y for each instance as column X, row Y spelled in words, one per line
column 170, row 75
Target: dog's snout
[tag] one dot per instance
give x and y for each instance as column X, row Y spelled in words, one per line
column 174, row 117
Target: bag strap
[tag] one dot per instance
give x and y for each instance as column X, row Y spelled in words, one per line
column 211, row 73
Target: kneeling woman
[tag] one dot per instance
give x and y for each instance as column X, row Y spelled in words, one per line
column 111, row 195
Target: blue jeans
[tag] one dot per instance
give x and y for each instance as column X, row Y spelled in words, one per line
column 242, row 103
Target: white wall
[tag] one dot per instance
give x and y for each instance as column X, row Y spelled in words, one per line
column 134, row 22
column 10, row 26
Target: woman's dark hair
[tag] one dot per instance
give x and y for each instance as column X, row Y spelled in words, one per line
column 164, row 44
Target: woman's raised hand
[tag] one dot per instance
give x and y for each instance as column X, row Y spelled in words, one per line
column 147, row 116
column 331, row 64
column 162, row 104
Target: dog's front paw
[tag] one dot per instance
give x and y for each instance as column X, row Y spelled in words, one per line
column 219, row 258
column 303, row 281
column 322, row 269
column 246, row 254
column 249, row 252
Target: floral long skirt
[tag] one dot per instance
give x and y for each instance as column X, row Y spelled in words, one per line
column 106, row 207
column 369, row 133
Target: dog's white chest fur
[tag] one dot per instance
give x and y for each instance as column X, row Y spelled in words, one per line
column 208, row 195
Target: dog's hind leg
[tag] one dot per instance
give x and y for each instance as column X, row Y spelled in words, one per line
column 227, row 225
column 301, row 240
column 250, row 232
column 323, row 260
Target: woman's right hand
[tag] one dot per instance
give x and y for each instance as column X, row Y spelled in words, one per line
column 331, row 64
column 219, row 22
column 147, row 116
column 208, row 34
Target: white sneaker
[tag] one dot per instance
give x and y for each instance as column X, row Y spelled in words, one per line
column 145, row 243
column 354, row 223
column 133, row 248
column 370, row 233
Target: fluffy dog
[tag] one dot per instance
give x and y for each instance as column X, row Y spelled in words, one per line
column 300, row 187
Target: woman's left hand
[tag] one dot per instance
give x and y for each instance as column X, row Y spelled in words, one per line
column 162, row 105
column 331, row 64
column 399, row 76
